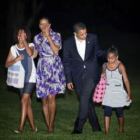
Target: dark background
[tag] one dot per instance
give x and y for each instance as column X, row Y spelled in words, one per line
column 114, row 21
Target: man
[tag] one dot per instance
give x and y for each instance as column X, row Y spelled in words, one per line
column 80, row 60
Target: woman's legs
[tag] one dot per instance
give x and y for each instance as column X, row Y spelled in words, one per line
column 30, row 115
column 49, row 108
column 45, row 107
column 24, row 108
column 52, row 109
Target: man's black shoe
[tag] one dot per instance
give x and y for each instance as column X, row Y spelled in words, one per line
column 76, row 132
column 96, row 130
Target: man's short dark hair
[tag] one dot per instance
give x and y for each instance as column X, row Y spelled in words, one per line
column 79, row 26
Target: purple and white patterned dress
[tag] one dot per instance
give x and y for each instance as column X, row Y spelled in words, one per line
column 50, row 71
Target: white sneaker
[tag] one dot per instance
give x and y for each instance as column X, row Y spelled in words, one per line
column 16, row 131
column 36, row 129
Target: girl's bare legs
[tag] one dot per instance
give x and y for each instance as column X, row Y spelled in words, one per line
column 106, row 123
column 121, row 125
column 52, row 110
column 30, row 115
column 24, row 108
column 45, row 107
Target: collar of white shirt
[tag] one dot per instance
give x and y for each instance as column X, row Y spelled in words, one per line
column 78, row 41
column 81, row 47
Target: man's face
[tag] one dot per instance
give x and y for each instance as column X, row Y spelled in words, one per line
column 81, row 34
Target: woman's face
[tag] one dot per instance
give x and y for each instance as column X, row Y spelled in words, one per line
column 44, row 23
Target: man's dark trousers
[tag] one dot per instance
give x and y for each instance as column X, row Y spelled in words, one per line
column 86, row 107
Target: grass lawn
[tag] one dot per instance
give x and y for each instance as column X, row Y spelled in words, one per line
column 67, row 107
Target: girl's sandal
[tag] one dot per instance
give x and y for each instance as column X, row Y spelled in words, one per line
column 17, row 131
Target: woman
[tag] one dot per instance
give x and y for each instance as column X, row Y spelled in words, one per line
column 25, row 49
column 50, row 72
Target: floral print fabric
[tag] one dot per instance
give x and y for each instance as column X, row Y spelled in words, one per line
column 50, row 71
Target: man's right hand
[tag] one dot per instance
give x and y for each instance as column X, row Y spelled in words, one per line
column 70, row 86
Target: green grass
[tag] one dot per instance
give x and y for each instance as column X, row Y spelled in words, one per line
column 67, row 107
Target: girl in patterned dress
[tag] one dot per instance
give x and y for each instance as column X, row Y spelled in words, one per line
column 25, row 49
column 115, row 96
column 50, row 72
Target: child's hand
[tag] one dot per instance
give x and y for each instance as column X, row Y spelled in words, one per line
column 128, row 98
column 103, row 75
column 20, row 57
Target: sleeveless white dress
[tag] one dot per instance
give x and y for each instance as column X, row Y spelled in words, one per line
column 115, row 95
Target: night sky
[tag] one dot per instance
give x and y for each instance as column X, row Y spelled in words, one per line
column 123, row 15
column 120, row 15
